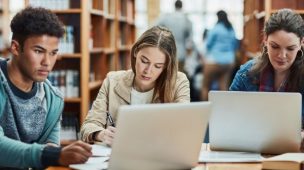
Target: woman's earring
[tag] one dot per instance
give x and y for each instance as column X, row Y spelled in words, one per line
column 302, row 53
column 265, row 51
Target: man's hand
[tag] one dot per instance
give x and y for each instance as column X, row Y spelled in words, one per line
column 75, row 153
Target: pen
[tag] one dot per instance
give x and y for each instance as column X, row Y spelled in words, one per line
column 110, row 119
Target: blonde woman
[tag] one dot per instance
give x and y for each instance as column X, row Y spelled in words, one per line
column 153, row 79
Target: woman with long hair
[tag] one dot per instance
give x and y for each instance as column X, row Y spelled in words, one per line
column 281, row 64
column 154, row 78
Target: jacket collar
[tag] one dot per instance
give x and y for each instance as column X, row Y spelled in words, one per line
column 3, row 96
column 124, row 86
column 53, row 98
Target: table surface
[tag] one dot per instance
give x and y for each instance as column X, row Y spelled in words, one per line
column 207, row 166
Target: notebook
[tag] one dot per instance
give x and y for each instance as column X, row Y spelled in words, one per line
column 263, row 122
column 287, row 161
column 159, row 136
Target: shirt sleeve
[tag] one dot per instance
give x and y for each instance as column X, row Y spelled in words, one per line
column 18, row 154
column 96, row 118
column 182, row 94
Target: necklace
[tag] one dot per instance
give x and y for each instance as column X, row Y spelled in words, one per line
column 283, row 84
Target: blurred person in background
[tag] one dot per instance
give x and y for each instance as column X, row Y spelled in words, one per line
column 181, row 28
column 221, row 45
column 192, row 68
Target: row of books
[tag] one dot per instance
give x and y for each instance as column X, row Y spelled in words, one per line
column 107, row 6
column 51, row 4
column 66, row 45
column 67, row 81
column 69, row 127
column 126, row 7
column 123, row 35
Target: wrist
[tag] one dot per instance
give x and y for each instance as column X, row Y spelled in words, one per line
column 95, row 136
column 50, row 156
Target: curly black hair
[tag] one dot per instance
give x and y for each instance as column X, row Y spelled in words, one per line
column 34, row 22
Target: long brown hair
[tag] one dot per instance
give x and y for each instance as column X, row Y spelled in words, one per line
column 289, row 21
column 161, row 38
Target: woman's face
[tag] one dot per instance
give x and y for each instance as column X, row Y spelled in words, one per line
column 150, row 63
column 282, row 49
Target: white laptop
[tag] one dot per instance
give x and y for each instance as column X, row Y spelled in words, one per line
column 264, row 122
column 159, row 136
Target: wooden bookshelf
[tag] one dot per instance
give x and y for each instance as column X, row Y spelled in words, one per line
column 4, row 28
column 252, row 28
column 256, row 12
column 98, row 42
column 126, row 32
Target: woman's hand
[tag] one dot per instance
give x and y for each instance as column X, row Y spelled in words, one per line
column 107, row 135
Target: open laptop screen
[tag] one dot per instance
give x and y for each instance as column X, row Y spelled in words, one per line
column 159, row 136
column 266, row 122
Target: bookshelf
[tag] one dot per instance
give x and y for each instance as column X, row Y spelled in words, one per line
column 4, row 27
column 255, row 14
column 272, row 6
column 98, row 46
column 126, row 32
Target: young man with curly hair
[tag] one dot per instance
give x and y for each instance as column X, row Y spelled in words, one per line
column 30, row 108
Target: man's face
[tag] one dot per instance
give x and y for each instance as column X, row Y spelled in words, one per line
column 37, row 57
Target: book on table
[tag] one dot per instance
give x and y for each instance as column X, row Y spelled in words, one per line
column 287, row 161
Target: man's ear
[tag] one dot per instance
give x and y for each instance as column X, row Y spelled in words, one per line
column 15, row 48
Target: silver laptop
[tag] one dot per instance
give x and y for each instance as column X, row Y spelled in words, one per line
column 264, row 122
column 159, row 136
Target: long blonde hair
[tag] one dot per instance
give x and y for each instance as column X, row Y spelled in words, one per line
column 163, row 39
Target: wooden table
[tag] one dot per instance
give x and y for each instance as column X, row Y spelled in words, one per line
column 209, row 166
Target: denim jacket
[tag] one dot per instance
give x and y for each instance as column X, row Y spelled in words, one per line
column 244, row 82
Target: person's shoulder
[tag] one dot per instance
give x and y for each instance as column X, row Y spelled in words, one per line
column 220, row 27
column 121, row 74
column 245, row 68
column 163, row 18
column 54, row 90
column 181, row 76
column 248, row 64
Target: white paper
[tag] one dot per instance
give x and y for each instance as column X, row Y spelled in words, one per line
column 94, row 163
column 213, row 156
column 100, row 150
column 98, row 161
